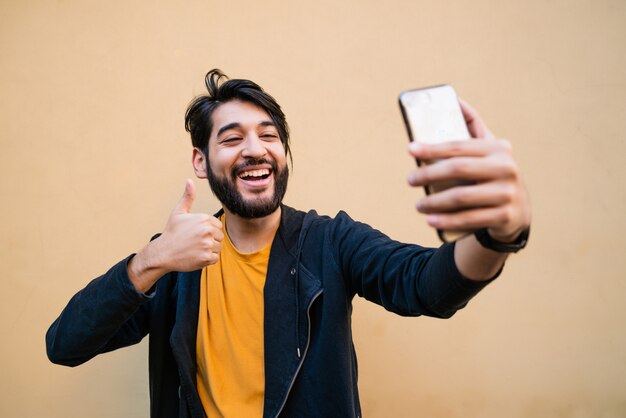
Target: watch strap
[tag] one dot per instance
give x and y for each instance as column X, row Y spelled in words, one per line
column 487, row 241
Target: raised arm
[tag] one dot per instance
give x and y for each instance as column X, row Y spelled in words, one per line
column 113, row 311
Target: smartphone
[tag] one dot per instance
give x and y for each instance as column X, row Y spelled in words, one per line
column 433, row 115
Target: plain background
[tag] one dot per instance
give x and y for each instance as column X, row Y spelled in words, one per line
column 94, row 156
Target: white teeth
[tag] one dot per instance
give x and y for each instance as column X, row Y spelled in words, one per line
column 255, row 173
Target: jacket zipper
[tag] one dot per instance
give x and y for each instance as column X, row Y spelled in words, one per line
column 306, row 349
column 187, row 399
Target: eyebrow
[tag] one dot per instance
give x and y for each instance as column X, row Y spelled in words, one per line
column 227, row 127
column 236, row 125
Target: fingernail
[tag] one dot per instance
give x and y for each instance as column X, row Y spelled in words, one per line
column 415, row 147
column 433, row 219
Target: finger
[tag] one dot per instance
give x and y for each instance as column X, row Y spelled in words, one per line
column 186, row 201
column 466, row 197
column 492, row 217
column 215, row 222
column 475, row 124
column 462, row 148
column 212, row 258
column 218, row 235
column 463, row 168
column 216, row 247
column 198, row 225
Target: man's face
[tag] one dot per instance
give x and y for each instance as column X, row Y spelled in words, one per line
column 247, row 167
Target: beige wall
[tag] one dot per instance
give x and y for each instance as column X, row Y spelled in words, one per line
column 94, row 155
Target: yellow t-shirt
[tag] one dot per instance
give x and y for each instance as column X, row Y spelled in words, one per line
column 229, row 347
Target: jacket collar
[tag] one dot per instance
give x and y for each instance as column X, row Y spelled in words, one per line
column 291, row 221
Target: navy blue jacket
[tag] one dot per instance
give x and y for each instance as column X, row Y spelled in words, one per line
column 317, row 264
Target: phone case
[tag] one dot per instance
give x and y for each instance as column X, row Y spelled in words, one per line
column 445, row 236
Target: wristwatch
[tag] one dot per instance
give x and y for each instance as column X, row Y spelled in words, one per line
column 488, row 242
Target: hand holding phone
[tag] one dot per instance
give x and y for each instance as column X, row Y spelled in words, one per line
column 433, row 115
column 470, row 184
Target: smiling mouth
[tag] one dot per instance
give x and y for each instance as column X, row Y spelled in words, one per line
column 255, row 175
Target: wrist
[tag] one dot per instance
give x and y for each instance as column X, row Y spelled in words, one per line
column 505, row 237
column 145, row 268
column 510, row 243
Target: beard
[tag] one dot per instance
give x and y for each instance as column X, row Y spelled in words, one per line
column 225, row 189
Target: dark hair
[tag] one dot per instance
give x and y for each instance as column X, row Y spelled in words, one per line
column 198, row 120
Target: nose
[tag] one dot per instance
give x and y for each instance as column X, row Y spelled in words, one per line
column 253, row 147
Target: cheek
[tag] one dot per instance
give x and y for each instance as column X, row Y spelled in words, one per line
column 222, row 160
column 277, row 151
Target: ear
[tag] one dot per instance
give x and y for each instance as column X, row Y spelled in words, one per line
column 199, row 163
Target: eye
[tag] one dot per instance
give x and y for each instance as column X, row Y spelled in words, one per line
column 231, row 139
column 269, row 135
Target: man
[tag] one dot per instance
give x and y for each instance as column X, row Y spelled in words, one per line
column 249, row 310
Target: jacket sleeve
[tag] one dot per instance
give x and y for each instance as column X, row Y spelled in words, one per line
column 407, row 279
column 107, row 314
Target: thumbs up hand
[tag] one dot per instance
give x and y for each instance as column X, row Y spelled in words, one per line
column 189, row 242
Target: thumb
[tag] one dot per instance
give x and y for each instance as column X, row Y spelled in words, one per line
column 186, row 201
column 475, row 124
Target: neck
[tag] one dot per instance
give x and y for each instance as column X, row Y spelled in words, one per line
column 251, row 235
